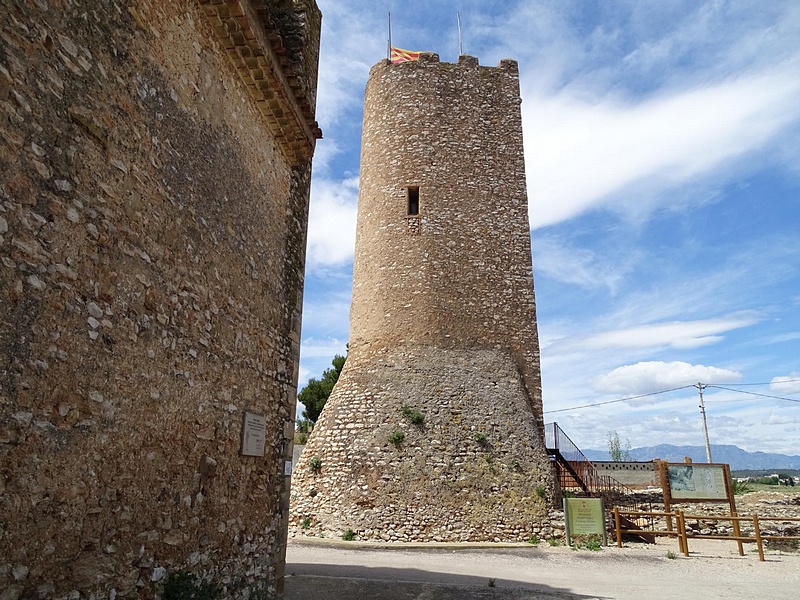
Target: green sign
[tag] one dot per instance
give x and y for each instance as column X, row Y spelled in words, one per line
column 584, row 516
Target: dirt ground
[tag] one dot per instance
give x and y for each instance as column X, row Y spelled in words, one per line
column 335, row 570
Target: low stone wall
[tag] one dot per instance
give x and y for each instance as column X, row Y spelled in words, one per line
column 632, row 474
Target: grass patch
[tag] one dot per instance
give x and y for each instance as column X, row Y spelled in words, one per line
column 671, row 555
column 349, row 535
column 305, row 523
column 591, row 542
column 534, row 540
column 396, row 437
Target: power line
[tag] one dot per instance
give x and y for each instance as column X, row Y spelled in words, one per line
column 719, row 387
column 767, row 383
column 683, row 387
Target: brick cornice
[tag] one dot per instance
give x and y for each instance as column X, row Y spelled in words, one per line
column 253, row 43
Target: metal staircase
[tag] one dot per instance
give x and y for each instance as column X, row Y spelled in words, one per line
column 577, row 476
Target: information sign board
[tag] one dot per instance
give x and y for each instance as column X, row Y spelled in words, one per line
column 690, row 481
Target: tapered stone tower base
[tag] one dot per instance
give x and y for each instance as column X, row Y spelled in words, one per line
column 473, row 470
column 434, row 430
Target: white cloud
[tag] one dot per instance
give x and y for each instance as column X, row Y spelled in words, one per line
column 653, row 376
column 332, row 222
column 774, row 419
column 557, row 259
column 786, row 384
column 580, row 152
column 677, row 334
column 323, row 348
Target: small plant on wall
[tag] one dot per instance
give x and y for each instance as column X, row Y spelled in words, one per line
column 480, row 437
column 315, row 464
column 396, row 437
column 412, row 415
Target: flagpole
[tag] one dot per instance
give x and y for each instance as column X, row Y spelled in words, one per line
column 389, row 46
column 460, row 48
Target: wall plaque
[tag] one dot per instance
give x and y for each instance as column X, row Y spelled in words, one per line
column 254, row 434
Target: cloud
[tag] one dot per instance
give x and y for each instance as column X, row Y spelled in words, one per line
column 677, row 334
column 556, row 258
column 774, row 419
column 653, row 376
column 332, row 222
column 786, row 384
column 584, row 154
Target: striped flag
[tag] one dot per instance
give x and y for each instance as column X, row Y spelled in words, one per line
column 399, row 55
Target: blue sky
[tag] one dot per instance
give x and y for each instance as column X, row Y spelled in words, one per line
column 662, row 147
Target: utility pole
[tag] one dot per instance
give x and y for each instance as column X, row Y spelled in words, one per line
column 700, row 387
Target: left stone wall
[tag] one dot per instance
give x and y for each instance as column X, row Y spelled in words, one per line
column 153, row 215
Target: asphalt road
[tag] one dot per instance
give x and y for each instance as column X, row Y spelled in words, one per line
column 714, row 570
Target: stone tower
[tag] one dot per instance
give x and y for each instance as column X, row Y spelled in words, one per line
column 434, row 430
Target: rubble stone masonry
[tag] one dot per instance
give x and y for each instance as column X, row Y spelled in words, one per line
column 155, row 160
column 443, row 323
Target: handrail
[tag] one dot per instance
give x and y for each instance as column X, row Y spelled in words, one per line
column 578, row 471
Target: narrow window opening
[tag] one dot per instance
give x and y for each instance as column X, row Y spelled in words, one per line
column 413, row 200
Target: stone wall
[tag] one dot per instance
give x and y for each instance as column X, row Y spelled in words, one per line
column 442, row 324
column 155, row 161
column 631, row 473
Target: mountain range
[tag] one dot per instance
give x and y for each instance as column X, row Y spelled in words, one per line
column 737, row 458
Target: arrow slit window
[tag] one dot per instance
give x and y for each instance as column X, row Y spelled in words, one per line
column 412, row 193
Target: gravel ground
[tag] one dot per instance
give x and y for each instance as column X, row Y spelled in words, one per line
column 333, row 570
column 325, row 569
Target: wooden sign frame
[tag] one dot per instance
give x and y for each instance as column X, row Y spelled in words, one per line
column 663, row 472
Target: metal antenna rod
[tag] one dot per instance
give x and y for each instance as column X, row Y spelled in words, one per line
column 460, row 48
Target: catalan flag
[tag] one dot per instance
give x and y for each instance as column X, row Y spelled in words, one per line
column 399, row 55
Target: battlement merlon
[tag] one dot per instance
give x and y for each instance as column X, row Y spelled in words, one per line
column 428, row 59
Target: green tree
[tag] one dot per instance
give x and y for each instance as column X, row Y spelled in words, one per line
column 615, row 449
column 316, row 392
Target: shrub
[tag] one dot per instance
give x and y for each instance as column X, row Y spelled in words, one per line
column 412, row 415
column 740, row 487
column 349, row 535
column 396, row 437
column 315, row 463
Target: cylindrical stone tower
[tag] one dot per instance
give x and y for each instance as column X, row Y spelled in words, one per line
column 434, row 430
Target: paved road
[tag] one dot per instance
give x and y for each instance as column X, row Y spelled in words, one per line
column 337, row 571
